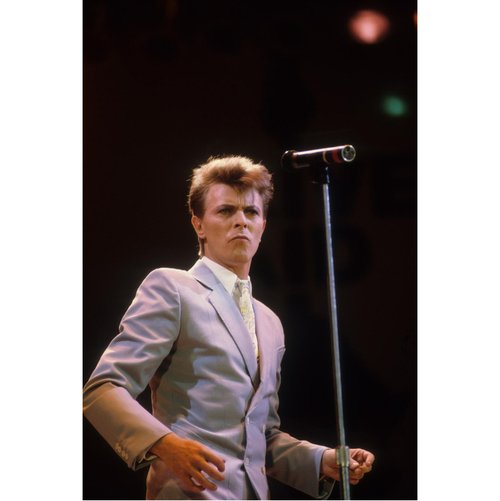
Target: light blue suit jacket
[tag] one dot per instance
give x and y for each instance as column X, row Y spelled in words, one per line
column 184, row 336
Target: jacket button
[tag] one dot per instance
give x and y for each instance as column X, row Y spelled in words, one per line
column 263, row 470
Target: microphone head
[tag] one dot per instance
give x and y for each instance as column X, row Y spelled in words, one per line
column 292, row 159
column 348, row 153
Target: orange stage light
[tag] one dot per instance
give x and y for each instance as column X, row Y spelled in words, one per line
column 369, row 26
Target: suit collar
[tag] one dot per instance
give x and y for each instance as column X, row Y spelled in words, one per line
column 204, row 275
column 225, row 276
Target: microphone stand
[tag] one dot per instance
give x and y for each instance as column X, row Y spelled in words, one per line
column 323, row 177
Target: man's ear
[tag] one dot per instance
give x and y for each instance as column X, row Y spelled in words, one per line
column 198, row 226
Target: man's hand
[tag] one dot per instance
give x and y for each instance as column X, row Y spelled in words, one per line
column 360, row 462
column 189, row 463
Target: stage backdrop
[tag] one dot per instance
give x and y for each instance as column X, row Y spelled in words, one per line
column 169, row 83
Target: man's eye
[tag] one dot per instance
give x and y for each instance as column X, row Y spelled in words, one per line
column 224, row 210
column 253, row 212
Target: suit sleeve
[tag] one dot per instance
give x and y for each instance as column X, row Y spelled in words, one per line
column 294, row 462
column 146, row 335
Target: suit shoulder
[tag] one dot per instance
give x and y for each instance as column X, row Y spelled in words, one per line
column 267, row 311
column 168, row 272
column 169, row 278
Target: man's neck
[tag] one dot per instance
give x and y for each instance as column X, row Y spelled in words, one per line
column 226, row 276
column 241, row 271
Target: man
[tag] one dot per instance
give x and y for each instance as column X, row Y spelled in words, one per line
column 211, row 355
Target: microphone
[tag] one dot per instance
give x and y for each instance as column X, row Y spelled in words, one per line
column 292, row 159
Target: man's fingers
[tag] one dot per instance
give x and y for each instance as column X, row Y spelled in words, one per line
column 187, row 484
column 200, row 481
column 364, row 467
column 217, row 461
column 212, row 472
column 363, row 457
column 357, row 474
column 353, row 464
column 360, row 463
column 211, row 464
column 204, row 470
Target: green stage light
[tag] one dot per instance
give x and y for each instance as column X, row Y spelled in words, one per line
column 394, row 106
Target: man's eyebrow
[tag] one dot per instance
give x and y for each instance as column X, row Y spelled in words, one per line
column 230, row 205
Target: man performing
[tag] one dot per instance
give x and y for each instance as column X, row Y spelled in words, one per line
column 211, row 355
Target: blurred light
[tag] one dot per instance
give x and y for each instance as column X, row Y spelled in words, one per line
column 394, row 106
column 368, row 26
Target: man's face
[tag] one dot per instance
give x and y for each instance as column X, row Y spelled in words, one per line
column 231, row 227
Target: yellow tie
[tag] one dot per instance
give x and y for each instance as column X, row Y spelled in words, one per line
column 242, row 290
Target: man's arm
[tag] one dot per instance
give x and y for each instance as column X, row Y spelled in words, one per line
column 294, row 462
column 148, row 331
column 307, row 467
column 125, row 425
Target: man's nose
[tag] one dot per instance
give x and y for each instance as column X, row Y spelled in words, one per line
column 240, row 219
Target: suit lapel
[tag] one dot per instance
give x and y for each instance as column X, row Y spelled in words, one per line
column 232, row 319
column 228, row 312
column 261, row 328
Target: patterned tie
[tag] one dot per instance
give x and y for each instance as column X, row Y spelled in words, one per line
column 244, row 300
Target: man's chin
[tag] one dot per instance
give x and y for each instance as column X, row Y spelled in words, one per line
column 244, row 252
column 243, row 248
column 241, row 257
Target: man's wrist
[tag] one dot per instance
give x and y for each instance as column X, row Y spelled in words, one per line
column 155, row 448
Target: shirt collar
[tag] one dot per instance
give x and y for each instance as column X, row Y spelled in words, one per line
column 225, row 276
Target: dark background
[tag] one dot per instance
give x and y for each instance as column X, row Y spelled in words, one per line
column 169, row 83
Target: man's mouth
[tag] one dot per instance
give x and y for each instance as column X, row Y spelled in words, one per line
column 239, row 237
